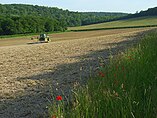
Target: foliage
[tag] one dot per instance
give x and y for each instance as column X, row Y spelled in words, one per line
column 21, row 19
column 28, row 24
column 149, row 12
column 125, row 88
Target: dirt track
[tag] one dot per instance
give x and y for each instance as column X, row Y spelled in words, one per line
column 28, row 73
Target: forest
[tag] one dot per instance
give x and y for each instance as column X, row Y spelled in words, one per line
column 23, row 19
column 149, row 12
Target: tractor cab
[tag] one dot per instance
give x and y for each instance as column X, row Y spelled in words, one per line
column 44, row 38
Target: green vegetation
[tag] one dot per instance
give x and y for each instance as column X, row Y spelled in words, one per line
column 125, row 88
column 146, row 18
column 133, row 22
column 29, row 24
column 24, row 19
column 149, row 12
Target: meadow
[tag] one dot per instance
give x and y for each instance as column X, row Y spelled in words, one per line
column 128, row 23
column 125, row 87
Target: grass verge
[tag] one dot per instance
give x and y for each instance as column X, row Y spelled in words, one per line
column 125, row 88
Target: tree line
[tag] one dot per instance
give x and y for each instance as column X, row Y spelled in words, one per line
column 149, row 12
column 21, row 19
column 29, row 24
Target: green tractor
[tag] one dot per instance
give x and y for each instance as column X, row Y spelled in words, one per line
column 44, row 38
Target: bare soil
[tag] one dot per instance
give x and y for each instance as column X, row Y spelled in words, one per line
column 29, row 73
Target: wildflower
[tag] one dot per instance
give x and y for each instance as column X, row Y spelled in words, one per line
column 115, row 93
column 76, row 84
column 122, row 86
column 59, row 98
column 54, row 116
column 101, row 74
column 129, row 57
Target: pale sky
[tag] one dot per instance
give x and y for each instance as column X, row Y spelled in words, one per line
column 127, row 6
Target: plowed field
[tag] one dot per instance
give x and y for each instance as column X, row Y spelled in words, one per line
column 30, row 72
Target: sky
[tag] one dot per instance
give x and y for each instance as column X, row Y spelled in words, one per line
column 125, row 6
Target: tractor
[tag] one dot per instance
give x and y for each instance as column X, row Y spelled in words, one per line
column 43, row 38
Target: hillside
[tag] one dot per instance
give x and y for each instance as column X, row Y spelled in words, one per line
column 149, row 12
column 71, row 18
column 21, row 19
column 141, row 19
column 132, row 22
column 24, row 19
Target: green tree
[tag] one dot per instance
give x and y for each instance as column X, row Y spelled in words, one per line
column 49, row 25
column 8, row 26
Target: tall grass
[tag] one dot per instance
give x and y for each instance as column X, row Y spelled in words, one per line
column 125, row 88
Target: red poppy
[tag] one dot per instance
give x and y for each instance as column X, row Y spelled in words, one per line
column 101, row 74
column 54, row 116
column 59, row 98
